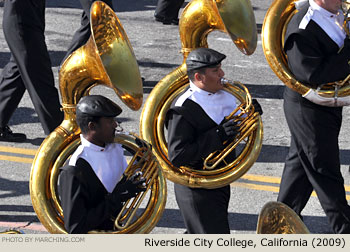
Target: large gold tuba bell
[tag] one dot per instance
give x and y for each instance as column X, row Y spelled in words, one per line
column 278, row 218
column 106, row 59
column 273, row 31
column 198, row 19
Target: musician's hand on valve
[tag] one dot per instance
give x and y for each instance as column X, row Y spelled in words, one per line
column 257, row 106
column 129, row 188
column 228, row 130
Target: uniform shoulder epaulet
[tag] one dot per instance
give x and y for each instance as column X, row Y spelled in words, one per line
column 188, row 109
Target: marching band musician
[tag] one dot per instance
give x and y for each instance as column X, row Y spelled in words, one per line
column 318, row 52
column 196, row 127
column 91, row 196
column 29, row 68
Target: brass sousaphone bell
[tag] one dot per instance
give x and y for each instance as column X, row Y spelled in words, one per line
column 199, row 18
column 106, row 59
column 278, row 218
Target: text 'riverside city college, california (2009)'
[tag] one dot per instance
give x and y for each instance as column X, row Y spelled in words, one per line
column 311, row 242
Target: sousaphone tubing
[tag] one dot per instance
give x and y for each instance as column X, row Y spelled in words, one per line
column 106, row 59
column 199, row 18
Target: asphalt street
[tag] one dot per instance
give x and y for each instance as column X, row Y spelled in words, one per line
column 157, row 50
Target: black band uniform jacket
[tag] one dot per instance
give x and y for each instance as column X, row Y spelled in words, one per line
column 85, row 186
column 315, row 57
column 192, row 135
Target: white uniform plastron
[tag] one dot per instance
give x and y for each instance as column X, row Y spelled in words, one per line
column 216, row 106
column 332, row 24
column 108, row 163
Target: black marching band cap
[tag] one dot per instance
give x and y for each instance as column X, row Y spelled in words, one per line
column 97, row 105
column 203, row 57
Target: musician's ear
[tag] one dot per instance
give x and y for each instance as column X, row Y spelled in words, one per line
column 198, row 76
column 92, row 126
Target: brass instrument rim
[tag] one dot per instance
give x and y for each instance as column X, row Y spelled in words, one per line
column 64, row 155
column 131, row 98
column 12, row 231
column 156, row 179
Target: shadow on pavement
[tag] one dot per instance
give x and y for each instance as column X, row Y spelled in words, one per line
column 55, row 56
column 4, row 58
column 24, row 115
column 16, row 217
column 11, row 188
column 277, row 154
column 36, row 141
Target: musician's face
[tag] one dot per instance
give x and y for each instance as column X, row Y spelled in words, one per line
column 211, row 79
column 104, row 131
column 330, row 5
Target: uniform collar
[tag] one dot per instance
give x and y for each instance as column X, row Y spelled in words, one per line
column 322, row 11
column 86, row 143
column 194, row 88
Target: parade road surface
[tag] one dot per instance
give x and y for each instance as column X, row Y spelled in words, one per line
column 157, row 48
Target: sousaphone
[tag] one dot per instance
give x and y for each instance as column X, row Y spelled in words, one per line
column 273, row 31
column 199, row 18
column 106, row 59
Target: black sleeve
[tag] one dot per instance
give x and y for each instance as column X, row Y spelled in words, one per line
column 86, row 5
column 185, row 145
column 311, row 65
column 79, row 216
